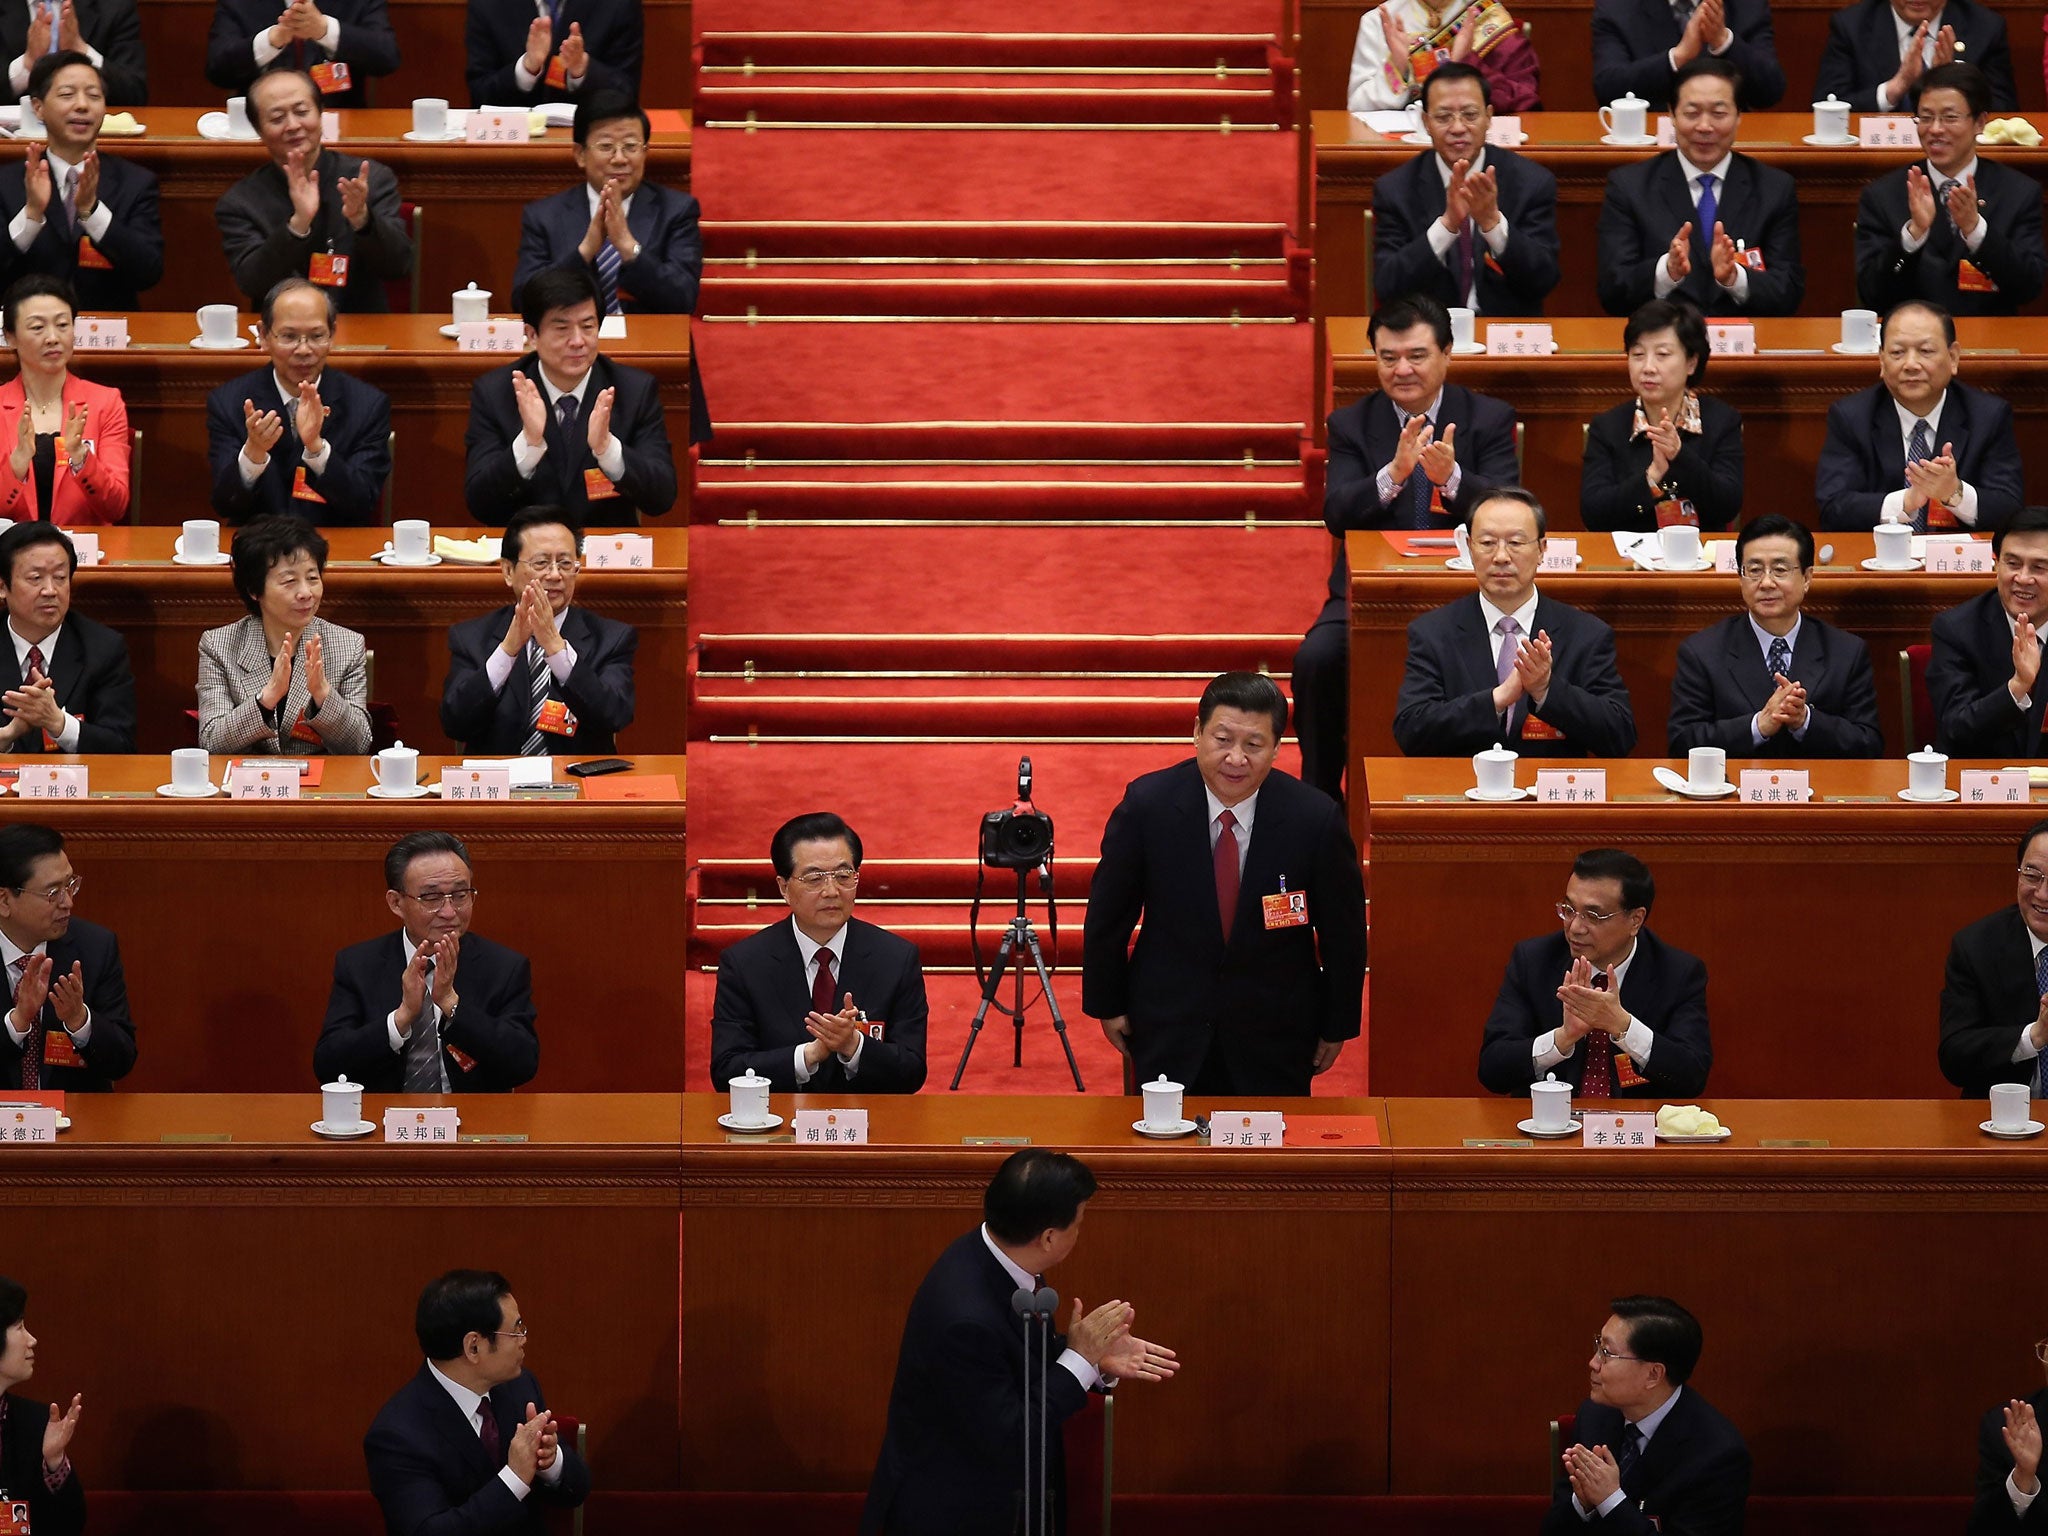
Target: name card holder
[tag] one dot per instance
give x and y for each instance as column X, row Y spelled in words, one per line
column 261, row 781
column 1950, row 557
column 1723, row 551
column 1625, row 1132
column 1775, row 786
column 831, row 1127
column 438, row 1126
column 1667, row 132
column 1248, row 1129
column 86, row 546
column 1506, row 132
column 1732, row 338
column 330, row 127
column 98, row 333
column 1519, row 341
column 1560, row 555
column 29, row 1125
column 618, row 552
column 1994, row 786
column 52, row 781
column 495, row 128
column 490, row 336
column 1886, row 132
column 1571, row 786
column 492, row 784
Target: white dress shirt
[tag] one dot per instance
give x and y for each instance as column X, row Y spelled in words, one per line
column 1444, row 241
column 473, row 1409
column 1903, row 30
column 17, row 72
column 611, row 458
column 498, row 665
column 1070, row 1360
column 1646, row 1426
column 8, row 955
column 430, row 1013
column 810, row 949
column 67, row 739
column 2025, row 1051
column 1524, row 616
column 1974, row 238
column 329, row 42
column 1662, row 282
column 1242, row 813
column 1636, row 1039
column 1893, row 508
column 1387, row 485
column 24, row 231
column 316, row 463
column 1763, row 639
column 1716, row 49
column 527, row 78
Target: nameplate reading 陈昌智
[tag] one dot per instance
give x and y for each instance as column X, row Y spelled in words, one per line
column 493, row 784
column 830, row 1127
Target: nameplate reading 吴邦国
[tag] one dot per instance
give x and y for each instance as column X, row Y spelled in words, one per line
column 439, row 1125
column 1624, row 1131
column 831, row 1127
column 1252, row 1129
column 1774, row 786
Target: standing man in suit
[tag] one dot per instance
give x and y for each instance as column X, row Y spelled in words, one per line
column 1507, row 664
column 68, row 1029
column 574, row 688
column 1468, row 224
column 469, row 1444
column 107, row 32
column 1919, row 446
column 565, row 424
column 35, row 1438
column 311, row 212
column 1413, row 454
column 637, row 239
column 432, row 1008
column 1639, row 46
column 1880, row 51
column 823, row 1003
column 72, row 213
column 1771, row 681
column 1994, row 992
column 1650, row 1454
column 1638, row 1004
column 297, row 437
column 1250, row 969
column 570, row 46
column 340, row 44
column 2009, row 1463
column 1718, row 227
column 1982, row 675
column 962, row 1400
column 65, row 682
column 1961, row 231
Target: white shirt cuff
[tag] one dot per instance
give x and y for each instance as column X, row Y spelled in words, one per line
column 18, row 1036
column 2021, row 1502
column 562, row 663
column 1611, row 1503
column 98, row 222
column 497, row 668
column 83, row 1034
column 1965, row 509
column 552, row 1473
column 1893, row 508
column 1975, row 238
column 17, row 73
column 1638, row 1041
column 1083, row 1372
column 67, row 739
column 23, row 230
column 1545, row 1053
column 1884, row 97
column 398, row 1041
column 1496, row 238
column 264, row 49
column 1738, row 289
column 251, row 472
column 330, row 38
column 93, row 53
column 1385, row 483
column 1909, row 241
column 525, row 457
column 1457, row 478
column 1727, row 42
column 851, row 1064
column 1661, row 281
column 522, row 75
column 803, row 1068
column 1441, row 240
column 2024, row 1051
column 515, row 1482
column 316, row 463
column 612, row 458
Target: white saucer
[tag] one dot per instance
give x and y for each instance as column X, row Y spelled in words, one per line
column 1529, row 1128
column 1721, row 1135
column 1841, row 351
column 1656, row 563
column 1518, row 794
column 1874, row 564
column 1670, row 779
column 1644, row 142
column 361, row 1128
column 1467, row 349
column 63, row 1122
column 214, row 125
column 414, row 136
column 223, row 558
column 379, row 792
column 1179, row 1128
column 1846, row 141
column 187, row 794
column 2031, row 1128
column 386, row 557
column 1941, row 799
column 232, row 344
column 750, row 1130
column 1458, row 563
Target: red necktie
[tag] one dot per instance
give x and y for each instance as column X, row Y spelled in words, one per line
column 488, row 1438
column 1226, row 871
column 821, row 985
column 32, row 1047
column 1598, row 1082
column 35, row 662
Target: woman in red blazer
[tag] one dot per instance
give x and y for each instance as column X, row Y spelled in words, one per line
column 64, row 440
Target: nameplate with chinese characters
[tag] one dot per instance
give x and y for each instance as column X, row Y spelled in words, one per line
column 494, row 784
column 1505, row 132
column 831, row 1127
column 1775, row 786
column 86, row 546
column 52, row 781
column 1571, row 786
column 100, row 333
column 1732, row 338
column 1628, row 1131
column 1519, row 341
column 496, row 128
column 1667, row 132
column 618, row 552
column 1874, row 131
column 262, row 781
column 1252, row 1129
column 1995, row 786
column 1561, row 555
column 330, row 127
column 1723, row 551
column 439, row 1126
column 29, row 1124
column 490, row 336
column 1952, row 557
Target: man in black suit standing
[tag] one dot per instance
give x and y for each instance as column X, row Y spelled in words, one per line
column 1879, row 51
column 2009, row 1464
column 570, row 672
column 1772, row 681
column 822, row 1003
column 1919, row 446
column 107, row 32
column 65, row 681
column 341, row 44
column 1959, row 230
column 565, row 424
column 1413, row 454
column 1250, row 970
column 298, row 436
column 1469, row 224
column 311, row 212
column 570, row 46
column 1507, row 664
column 1718, row 227
column 1638, row 1004
column 1651, row 1453
column 962, row 1401
column 1639, row 46
column 469, row 1444
column 68, row 1029
column 1994, row 992
column 1981, row 677
column 431, row 1008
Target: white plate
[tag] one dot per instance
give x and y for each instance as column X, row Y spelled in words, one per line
column 214, row 125
column 1670, row 779
column 187, row 794
column 361, row 1128
column 750, row 1130
column 1458, row 563
column 2031, row 1128
column 1644, row 142
column 462, row 560
column 1846, row 141
column 223, row 558
column 1518, row 794
column 1178, row 1128
column 1721, row 1135
column 1841, row 351
column 417, row 792
column 1467, row 348
column 1941, row 799
column 1874, row 564
column 414, row 136
column 232, row 344
column 386, row 557
column 1530, row 1128
column 1656, row 563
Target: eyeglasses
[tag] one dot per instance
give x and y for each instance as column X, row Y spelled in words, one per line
column 1600, row 1348
column 1567, row 913
column 66, row 888
column 815, row 879
column 518, row 1333
column 605, row 150
column 1515, row 546
column 2041, row 1350
column 1714, row 114
column 1941, row 119
column 1466, row 118
column 540, row 565
column 2031, row 878
column 293, row 340
column 460, row 897
column 1778, row 568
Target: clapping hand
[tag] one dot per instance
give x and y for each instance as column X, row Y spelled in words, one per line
column 67, row 996
column 1722, row 254
column 355, row 196
column 1593, row 1473
column 310, row 417
column 550, row 1440
column 74, row 432
column 1944, row 44
column 447, row 956
column 533, row 408
column 280, row 683
column 1533, row 664
column 1919, row 203
column 316, row 671
column 1678, row 259
column 265, row 429
column 1465, row 36
column 1911, row 63
column 1439, row 456
column 68, row 36
column 838, row 1032
column 1664, row 447
column 412, row 989
column 540, row 36
column 1933, row 479
column 613, row 208
column 574, row 60
column 1962, row 205
column 2026, row 655
column 1415, row 436
column 38, row 34
column 1130, row 1358
column 302, row 181
column 523, row 1454
column 1482, row 192
column 1093, row 1334
column 87, row 194
column 1786, row 707
column 33, row 706
column 599, row 429
column 1587, row 1008
column 64, row 1422
column 1399, row 44
column 2022, row 1434
column 35, row 171
column 539, row 617
column 24, row 442
column 31, row 992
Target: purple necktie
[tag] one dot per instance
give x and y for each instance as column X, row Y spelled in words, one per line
column 1507, row 629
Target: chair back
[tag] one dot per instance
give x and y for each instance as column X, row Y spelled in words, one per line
column 1564, row 1430
column 402, row 294
column 1916, row 704
column 134, row 513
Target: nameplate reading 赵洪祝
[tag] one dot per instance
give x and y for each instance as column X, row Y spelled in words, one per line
column 1774, row 786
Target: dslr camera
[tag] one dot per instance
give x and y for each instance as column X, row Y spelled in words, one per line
column 1021, row 837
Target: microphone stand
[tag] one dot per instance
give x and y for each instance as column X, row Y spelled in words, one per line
column 1024, row 1302
column 1045, row 1303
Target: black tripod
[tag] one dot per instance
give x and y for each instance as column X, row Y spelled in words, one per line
column 1019, row 935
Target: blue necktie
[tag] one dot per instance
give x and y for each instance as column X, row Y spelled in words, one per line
column 1416, row 492
column 1919, row 449
column 608, row 261
column 1780, row 660
column 1631, row 1451
column 2041, row 990
column 1708, row 208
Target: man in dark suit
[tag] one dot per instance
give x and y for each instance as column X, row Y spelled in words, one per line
column 1638, row 1004
column 1962, row 231
column 1413, row 454
column 1650, row 1453
column 1919, row 446
column 574, row 670
column 468, row 1444
column 431, row 1008
column 823, row 1003
column 1987, row 653
column 1772, row 681
column 340, row 44
column 35, row 1438
column 298, row 436
column 1639, row 46
column 1507, row 664
column 1250, row 969
column 107, row 32
column 68, row 1029
column 565, row 424
column 73, row 213
column 65, row 682
column 1880, row 50
column 2009, row 1465
column 963, row 1400
column 311, row 212
column 1469, row 224
column 517, row 59
column 1994, row 993
column 1718, row 227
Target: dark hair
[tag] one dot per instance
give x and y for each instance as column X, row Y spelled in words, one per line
column 261, row 544
column 2026, row 520
column 1033, row 1190
column 1517, row 493
column 21, row 844
column 554, row 288
column 1678, row 317
column 1663, row 1333
column 44, row 70
column 455, row 1305
column 35, row 285
column 2027, row 840
column 606, row 107
column 1252, row 692
column 22, row 537
column 1637, row 888
column 293, row 285
column 811, row 827
column 417, row 845
column 1407, row 312
column 537, row 517
column 1451, row 73
column 1776, row 525
column 277, row 71
column 1708, row 64
column 1966, row 80
column 1928, row 306
column 13, row 1304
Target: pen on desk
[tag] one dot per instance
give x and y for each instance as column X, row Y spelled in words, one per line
column 1432, row 541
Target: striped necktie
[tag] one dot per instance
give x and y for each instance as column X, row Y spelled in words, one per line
column 537, row 687
column 32, row 1047
column 2040, row 1062
column 608, row 278
column 1919, row 449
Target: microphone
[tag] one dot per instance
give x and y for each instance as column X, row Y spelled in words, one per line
column 1046, row 1302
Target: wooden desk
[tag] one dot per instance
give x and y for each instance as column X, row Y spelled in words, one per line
column 165, row 382
column 230, row 915
column 236, row 1249
column 1349, row 156
column 163, row 608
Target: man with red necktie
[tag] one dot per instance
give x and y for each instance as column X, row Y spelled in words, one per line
column 67, row 1026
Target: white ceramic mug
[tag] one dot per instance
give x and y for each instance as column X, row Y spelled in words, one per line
column 397, row 767
column 1163, row 1105
column 1550, row 1104
column 238, row 117
column 412, row 540
column 31, row 120
column 1926, row 773
column 190, row 767
column 341, row 1105
column 1625, row 116
column 1680, row 545
column 2012, row 1106
column 217, row 324
column 199, row 541
column 1494, row 769
column 1462, row 537
column 430, row 116
column 1859, row 330
column 1894, row 544
column 1831, row 120
column 1706, row 768
column 470, row 304
column 1461, row 328
column 749, row 1099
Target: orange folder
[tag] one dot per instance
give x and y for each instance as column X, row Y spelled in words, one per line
column 632, row 786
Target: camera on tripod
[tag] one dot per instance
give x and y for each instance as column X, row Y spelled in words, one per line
column 1021, row 837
